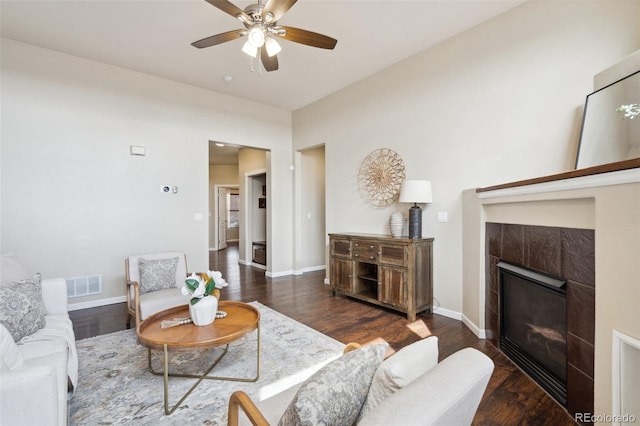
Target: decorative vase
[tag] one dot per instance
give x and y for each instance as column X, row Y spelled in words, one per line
column 204, row 311
column 396, row 224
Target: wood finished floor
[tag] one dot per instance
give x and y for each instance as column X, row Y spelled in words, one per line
column 511, row 397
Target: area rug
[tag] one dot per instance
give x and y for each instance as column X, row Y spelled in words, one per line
column 116, row 388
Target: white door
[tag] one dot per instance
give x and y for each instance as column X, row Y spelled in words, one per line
column 222, row 218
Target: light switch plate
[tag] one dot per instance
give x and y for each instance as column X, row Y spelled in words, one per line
column 443, row 217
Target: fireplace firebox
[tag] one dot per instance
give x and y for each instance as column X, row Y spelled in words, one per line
column 533, row 325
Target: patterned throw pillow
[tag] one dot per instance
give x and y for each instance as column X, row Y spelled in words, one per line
column 334, row 394
column 157, row 274
column 22, row 309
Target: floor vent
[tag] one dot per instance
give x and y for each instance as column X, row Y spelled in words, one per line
column 84, row 286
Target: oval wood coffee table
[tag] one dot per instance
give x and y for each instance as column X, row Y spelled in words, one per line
column 241, row 320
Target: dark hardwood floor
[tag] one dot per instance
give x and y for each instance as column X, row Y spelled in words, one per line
column 511, row 397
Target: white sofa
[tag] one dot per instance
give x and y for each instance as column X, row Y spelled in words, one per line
column 39, row 372
column 408, row 388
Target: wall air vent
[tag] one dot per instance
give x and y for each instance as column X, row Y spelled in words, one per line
column 84, row 286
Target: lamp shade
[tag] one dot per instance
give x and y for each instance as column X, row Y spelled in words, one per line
column 272, row 46
column 416, row 191
column 249, row 49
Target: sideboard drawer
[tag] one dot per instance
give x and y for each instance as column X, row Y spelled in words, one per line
column 341, row 248
column 365, row 251
column 394, row 254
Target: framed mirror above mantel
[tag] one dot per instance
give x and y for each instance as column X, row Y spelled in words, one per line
column 611, row 124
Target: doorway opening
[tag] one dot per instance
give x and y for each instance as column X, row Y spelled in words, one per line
column 226, row 216
column 233, row 218
column 256, row 202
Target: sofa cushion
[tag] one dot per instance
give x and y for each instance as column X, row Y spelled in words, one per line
column 10, row 357
column 21, row 307
column 400, row 369
column 334, row 395
column 157, row 274
column 55, row 354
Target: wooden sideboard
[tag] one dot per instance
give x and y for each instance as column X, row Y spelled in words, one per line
column 385, row 270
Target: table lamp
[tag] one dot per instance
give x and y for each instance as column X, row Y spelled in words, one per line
column 415, row 191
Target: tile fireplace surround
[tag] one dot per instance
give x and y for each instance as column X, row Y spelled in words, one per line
column 563, row 252
column 605, row 202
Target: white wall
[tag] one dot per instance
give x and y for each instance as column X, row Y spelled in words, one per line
column 500, row 102
column 312, row 211
column 74, row 202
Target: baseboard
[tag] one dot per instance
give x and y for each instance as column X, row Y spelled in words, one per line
column 279, row 274
column 310, row 269
column 258, row 265
column 96, row 303
column 448, row 313
column 481, row 333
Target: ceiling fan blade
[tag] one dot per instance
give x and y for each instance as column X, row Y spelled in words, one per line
column 270, row 63
column 218, row 38
column 228, row 7
column 307, row 37
column 277, row 8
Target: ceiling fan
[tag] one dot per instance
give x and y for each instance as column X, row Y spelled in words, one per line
column 262, row 29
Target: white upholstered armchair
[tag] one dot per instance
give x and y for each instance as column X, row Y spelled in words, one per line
column 154, row 282
column 408, row 388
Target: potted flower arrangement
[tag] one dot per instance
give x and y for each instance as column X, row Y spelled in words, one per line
column 204, row 289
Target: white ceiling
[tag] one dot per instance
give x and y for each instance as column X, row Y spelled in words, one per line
column 154, row 37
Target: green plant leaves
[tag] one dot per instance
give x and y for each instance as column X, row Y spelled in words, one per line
column 211, row 284
column 192, row 284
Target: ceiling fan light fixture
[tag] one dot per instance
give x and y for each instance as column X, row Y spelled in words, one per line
column 256, row 36
column 272, row 46
column 250, row 49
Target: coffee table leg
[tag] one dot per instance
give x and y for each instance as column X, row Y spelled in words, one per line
column 166, row 380
column 242, row 379
column 200, row 378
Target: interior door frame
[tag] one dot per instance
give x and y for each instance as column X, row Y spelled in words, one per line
column 247, row 236
column 215, row 215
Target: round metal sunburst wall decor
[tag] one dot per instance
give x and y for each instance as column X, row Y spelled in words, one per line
column 380, row 177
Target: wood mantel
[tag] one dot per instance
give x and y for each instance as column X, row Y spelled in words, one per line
column 604, row 168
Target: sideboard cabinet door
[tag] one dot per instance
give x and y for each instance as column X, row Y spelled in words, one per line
column 393, row 286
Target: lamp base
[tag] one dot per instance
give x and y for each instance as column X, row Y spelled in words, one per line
column 415, row 222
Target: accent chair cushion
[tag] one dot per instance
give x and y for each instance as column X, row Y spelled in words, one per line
column 334, row 394
column 157, row 274
column 22, row 310
column 400, row 369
